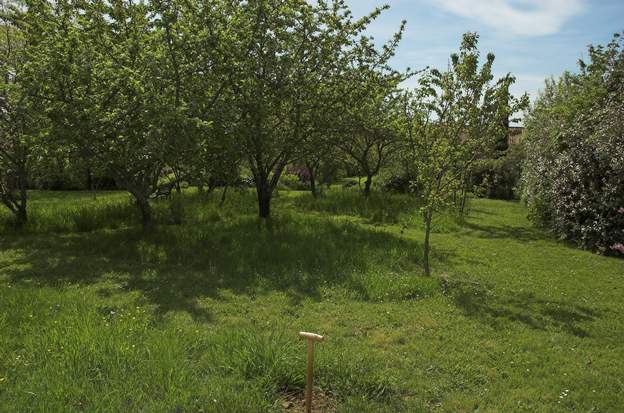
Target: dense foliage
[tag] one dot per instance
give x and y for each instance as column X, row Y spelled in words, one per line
column 148, row 96
column 499, row 177
column 18, row 119
column 574, row 173
column 140, row 91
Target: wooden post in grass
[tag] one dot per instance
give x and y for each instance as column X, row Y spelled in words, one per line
column 311, row 337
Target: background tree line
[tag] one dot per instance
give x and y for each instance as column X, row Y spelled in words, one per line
column 127, row 93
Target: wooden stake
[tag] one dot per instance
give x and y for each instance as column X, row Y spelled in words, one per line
column 311, row 337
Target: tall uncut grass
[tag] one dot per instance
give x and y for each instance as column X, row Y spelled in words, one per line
column 74, row 212
column 202, row 314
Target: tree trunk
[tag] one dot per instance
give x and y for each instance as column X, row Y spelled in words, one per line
column 464, row 196
column 312, row 182
column 89, row 179
column 91, row 182
column 264, row 206
column 462, row 205
column 367, row 185
column 312, row 172
column 428, row 215
column 176, row 176
column 146, row 213
column 264, row 193
column 21, row 216
column 17, row 208
column 223, row 195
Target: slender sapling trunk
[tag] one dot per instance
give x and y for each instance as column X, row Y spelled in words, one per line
column 428, row 216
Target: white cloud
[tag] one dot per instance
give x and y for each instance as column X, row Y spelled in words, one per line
column 521, row 17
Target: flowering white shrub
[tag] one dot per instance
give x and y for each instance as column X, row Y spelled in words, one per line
column 573, row 177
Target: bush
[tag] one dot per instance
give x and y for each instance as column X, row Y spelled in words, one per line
column 396, row 182
column 292, row 181
column 499, row 178
column 59, row 172
column 574, row 172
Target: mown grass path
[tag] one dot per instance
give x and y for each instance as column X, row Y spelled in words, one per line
column 203, row 316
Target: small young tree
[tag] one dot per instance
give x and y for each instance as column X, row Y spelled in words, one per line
column 217, row 163
column 320, row 146
column 199, row 63
column 313, row 161
column 368, row 108
column 371, row 138
column 449, row 121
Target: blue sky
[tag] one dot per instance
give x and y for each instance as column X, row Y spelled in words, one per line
column 532, row 39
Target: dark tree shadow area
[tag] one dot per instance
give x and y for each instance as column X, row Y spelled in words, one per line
column 481, row 302
column 176, row 265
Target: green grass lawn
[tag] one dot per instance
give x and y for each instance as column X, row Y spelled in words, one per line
column 202, row 315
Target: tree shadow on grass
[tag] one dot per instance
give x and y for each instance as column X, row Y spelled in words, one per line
column 517, row 233
column 481, row 302
column 176, row 265
column 475, row 210
column 376, row 209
